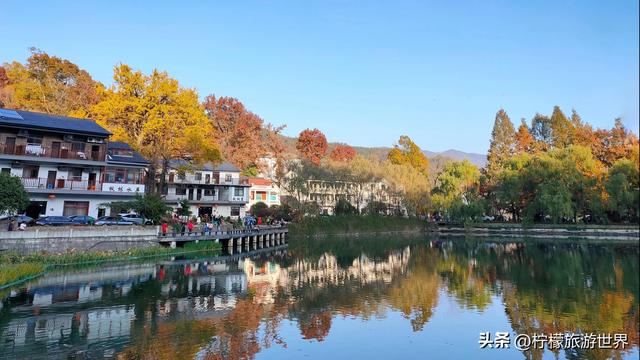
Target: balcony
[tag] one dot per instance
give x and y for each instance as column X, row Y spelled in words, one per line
column 37, row 150
column 204, row 180
column 60, row 184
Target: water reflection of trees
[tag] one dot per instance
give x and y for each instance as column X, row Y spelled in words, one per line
column 204, row 312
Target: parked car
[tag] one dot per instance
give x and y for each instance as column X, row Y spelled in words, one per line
column 24, row 219
column 136, row 219
column 112, row 220
column 55, row 221
column 83, row 219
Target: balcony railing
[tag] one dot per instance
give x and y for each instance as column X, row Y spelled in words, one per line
column 204, row 180
column 38, row 150
column 61, row 184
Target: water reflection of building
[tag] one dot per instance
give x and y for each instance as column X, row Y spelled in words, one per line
column 85, row 308
column 327, row 271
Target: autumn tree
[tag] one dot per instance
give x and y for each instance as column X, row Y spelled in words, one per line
column 524, row 139
column 541, row 131
column 156, row 117
column 312, row 145
column 503, row 142
column 342, row 152
column 242, row 135
column 406, row 152
column 48, row 84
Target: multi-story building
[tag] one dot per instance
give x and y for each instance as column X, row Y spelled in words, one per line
column 326, row 194
column 67, row 165
column 263, row 190
column 212, row 190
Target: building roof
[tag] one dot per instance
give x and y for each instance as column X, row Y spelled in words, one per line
column 41, row 121
column 225, row 166
column 136, row 158
column 259, row 181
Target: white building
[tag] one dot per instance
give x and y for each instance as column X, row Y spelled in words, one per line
column 213, row 190
column 263, row 190
column 67, row 165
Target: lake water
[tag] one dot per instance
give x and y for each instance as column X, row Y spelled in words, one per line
column 337, row 299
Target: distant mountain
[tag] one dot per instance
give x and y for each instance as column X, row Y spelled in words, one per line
column 380, row 152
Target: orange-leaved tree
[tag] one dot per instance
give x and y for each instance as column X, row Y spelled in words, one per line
column 312, row 145
column 342, row 152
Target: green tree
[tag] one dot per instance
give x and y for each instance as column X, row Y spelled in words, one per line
column 562, row 130
column 149, row 206
column 260, row 209
column 13, row 197
column 407, row 152
column 183, row 208
column 623, row 190
column 503, row 143
column 542, row 132
column 456, row 190
column 344, row 207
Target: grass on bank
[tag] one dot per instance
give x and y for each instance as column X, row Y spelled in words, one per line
column 15, row 267
column 340, row 224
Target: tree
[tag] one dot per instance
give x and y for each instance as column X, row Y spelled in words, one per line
column 503, row 142
column 312, row 145
column 48, row 84
column 622, row 187
column 407, row 152
column 342, row 152
column 457, row 186
column 158, row 118
column 344, row 207
column 242, row 135
column 562, row 131
column 259, row 209
column 13, row 197
column 150, row 206
column 524, row 139
column 183, row 208
column 542, row 132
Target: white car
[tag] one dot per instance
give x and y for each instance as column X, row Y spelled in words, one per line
column 136, row 219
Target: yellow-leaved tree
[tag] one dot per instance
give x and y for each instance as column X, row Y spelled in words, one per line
column 158, row 118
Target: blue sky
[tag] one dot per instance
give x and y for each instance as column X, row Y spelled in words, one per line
column 364, row 72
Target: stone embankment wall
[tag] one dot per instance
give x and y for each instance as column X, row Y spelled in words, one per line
column 75, row 238
column 520, row 232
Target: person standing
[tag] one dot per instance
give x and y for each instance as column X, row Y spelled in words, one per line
column 190, row 226
column 165, row 228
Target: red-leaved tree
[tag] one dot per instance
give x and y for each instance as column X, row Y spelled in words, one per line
column 312, row 145
column 342, row 152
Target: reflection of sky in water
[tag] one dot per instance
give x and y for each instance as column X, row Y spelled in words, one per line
column 421, row 300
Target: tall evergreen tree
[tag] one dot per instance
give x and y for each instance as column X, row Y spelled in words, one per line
column 561, row 129
column 503, row 142
column 541, row 131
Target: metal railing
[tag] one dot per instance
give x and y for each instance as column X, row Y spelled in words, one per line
column 37, row 150
column 61, row 184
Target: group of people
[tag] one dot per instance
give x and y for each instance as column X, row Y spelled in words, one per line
column 206, row 224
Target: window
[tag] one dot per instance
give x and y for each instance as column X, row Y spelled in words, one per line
column 34, row 140
column 30, row 172
column 198, row 176
column 238, row 192
column 180, row 190
column 75, row 174
column 122, row 152
column 273, row 196
column 235, row 211
column 227, row 178
column 77, row 147
column 253, row 195
column 6, row 170
column 208, row 192
column 75, row 208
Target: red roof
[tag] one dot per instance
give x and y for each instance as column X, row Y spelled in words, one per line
column 259, row 181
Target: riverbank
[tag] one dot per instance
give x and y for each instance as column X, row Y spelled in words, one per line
column 16, row 268
column 556, row 231
column 355, row 225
